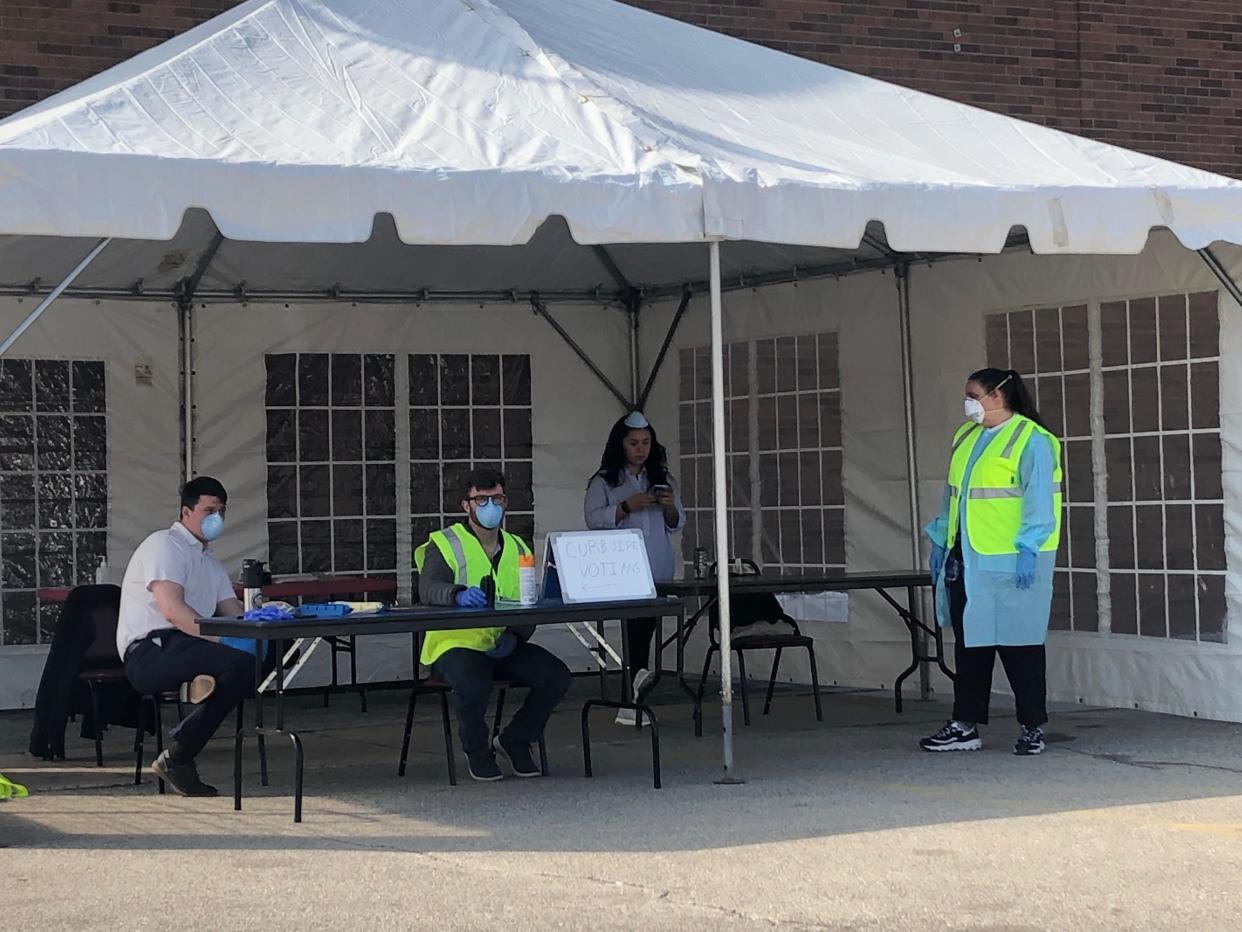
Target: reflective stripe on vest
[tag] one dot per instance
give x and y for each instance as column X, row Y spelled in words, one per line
column 994, row 496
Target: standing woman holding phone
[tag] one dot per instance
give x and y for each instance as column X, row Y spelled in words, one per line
column 633, row 489
column 994, row 547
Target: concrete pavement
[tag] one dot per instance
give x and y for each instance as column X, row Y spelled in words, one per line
column 1129, row 821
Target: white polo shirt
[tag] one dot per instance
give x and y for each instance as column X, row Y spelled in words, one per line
column 177, row 556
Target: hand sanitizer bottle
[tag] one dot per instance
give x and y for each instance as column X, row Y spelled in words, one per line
column 528, row 587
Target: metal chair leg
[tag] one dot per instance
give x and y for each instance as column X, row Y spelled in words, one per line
column 353, row 671
column 96, row 723
column 448, row 738
column 776, row 662
column 586, row 738
column 159, row 736
column 819, row 711
column 741, row 671
column 237, row 756
column 698, row 703
column 543, row 756
column 409, row 726
column 138, row 740
column 500, row 711
column 655, row 750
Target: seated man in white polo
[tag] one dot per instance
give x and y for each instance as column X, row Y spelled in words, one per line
column 172, row 581
column 454, row 566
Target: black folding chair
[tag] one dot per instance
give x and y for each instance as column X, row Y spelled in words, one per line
column 750, row 609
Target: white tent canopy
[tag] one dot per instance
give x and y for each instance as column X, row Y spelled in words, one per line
column 472, row 122
column 401, row 149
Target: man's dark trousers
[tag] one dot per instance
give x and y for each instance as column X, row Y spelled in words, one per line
column 178, row 658
column 470, row 673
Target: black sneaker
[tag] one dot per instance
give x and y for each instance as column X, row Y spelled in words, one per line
column 483, row 767
column 518, row 756
column 183, row 778
column 952, row 737
column 1030, row 742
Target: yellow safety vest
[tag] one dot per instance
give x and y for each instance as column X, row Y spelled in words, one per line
column 471, row 565
column 994, row 498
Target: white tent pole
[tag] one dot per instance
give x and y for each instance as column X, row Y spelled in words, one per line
column 53, row 295
column 722, row 516
column 912, row 462
column 187, row 394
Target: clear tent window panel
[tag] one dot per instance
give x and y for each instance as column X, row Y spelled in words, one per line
column 465, row 412
column 331, row 463
column 783, row 452
column 1159, row 497
column 53, row 488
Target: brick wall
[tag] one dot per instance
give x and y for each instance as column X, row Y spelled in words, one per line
column 1163, row 78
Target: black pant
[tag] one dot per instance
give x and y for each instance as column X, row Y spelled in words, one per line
column 158, row 668
column 638, row 633
column 470, row 673
column 1025, row 666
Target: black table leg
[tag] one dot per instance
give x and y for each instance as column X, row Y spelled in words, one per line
column 237, row 756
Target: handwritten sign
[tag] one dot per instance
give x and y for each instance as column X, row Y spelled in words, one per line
column 602, row 566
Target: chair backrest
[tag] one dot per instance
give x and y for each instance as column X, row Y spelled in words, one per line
column 748, row 608
column 99, row 608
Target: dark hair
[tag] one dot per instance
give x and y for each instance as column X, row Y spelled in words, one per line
column 1012, row 389
column 612, row 463
column 196, row 488
column 482, row 478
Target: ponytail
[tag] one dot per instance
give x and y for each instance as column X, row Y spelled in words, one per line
column 1012, row 388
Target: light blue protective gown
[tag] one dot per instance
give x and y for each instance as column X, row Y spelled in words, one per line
column 997, row 611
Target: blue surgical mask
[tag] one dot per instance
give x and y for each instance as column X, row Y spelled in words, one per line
column 489, row 515
column 212, row 526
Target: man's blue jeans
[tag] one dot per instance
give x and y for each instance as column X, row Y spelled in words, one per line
column 471, row 672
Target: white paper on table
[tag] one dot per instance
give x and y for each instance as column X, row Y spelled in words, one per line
column 816, row 606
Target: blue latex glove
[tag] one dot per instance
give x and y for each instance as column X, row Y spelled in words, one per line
column 1024, row 575
column 474, row 597
column 267, row 613
column 505, row 645
column 937, row 562
column 246, row 645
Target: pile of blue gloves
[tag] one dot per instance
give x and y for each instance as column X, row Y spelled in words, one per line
column 267, row 613
column 250, row 645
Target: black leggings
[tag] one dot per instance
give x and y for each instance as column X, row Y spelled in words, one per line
column 638, row 635
column 1026, row 667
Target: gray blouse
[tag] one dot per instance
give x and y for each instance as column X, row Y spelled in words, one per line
column 600, row 510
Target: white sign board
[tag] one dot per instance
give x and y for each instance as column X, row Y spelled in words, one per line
column 602, row 566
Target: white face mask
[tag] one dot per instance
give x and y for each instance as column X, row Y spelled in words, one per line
column 974, row 409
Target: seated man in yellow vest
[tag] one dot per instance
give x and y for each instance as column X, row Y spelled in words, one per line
column 455, row 566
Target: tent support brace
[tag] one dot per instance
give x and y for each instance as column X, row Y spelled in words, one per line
column 632, row 309
column 53, row 295
column 668, row 340
column 1210, row 260
column 541, row 310
column 186, row 289
column 912, row 463
column 633, row 300
column 722, row 520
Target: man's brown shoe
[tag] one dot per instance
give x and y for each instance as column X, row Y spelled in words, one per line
column 198, row 689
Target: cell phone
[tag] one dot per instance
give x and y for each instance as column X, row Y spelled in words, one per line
column 657, row 489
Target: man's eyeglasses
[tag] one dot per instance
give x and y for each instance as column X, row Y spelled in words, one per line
column 481, row 500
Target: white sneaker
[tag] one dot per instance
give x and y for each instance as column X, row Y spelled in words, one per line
column 629, row 716
column 640, row 681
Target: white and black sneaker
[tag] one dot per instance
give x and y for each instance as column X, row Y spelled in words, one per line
column 639, row 692
column 954, row 736
column 1030, row 742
